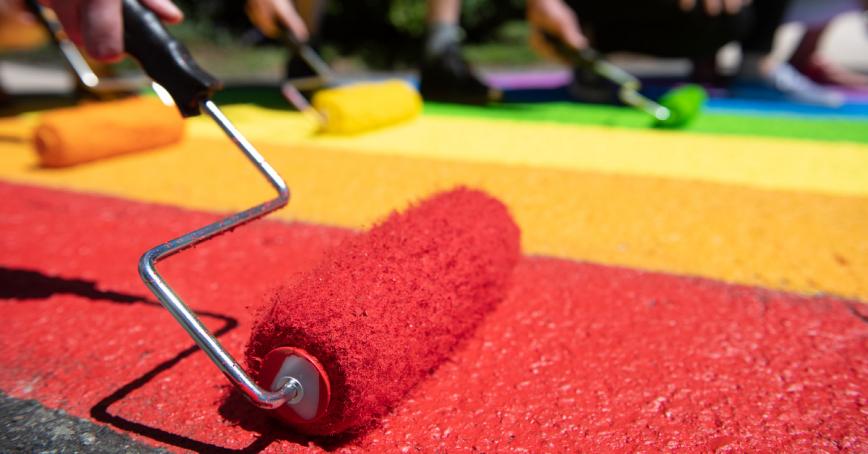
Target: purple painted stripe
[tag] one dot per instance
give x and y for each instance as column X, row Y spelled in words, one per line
column 530, row 79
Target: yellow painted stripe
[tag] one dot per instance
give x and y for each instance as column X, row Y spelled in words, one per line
column 787, row 240
column 833, row 168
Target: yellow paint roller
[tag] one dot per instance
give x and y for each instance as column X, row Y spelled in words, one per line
column 93, row 131
column 351, row 108
column 359, row 107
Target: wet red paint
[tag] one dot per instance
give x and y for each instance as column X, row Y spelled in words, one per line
column 578, row 357
column 388, row 306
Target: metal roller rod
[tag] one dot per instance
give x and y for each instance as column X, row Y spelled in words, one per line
column 292, row 94
column 616, row 74
column 70, row 53
column 291, row 392
column 629, row 90
column 633, row 98
column 320, row 67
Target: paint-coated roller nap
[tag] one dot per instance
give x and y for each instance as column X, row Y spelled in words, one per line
column 685, row 103
column 385, row 308
column 362, row 107
column 94, row 131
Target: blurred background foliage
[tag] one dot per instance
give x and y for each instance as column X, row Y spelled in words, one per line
column 374, row 34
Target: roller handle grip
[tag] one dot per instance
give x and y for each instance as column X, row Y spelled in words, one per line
column 590, row 60
column 165, row 59
column 584, row 58
column 288, row 38
column 54, row 29
column 307, row 54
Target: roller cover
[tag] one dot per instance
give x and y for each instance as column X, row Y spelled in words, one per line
column 66, row 137
column 361, row 107
column 386, row 307
column 685, row 103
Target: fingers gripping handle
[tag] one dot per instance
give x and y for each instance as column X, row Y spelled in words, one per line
column 307, row 54
column 589, row 59
column 287, row 37
column 165, row 59
column 584, row 58
column 53, row 27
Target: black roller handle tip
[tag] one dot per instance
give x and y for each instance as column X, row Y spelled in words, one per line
column 584, row 58
column 303, row 50
column 165, row 59
column 288, row 38
column 53, row 28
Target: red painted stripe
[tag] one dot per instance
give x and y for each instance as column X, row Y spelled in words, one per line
column 579, row 357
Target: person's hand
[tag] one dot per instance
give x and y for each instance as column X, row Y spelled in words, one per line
column 14, row 12
column 11, row 8
column 555, row 18
column 715, row 7
column 18, row 28
column 270, row 15
column 98, row 24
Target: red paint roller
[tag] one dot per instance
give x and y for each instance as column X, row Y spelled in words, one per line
column 384, row 309
column 341, row 346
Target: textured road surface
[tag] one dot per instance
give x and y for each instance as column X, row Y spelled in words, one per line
column 28, row 427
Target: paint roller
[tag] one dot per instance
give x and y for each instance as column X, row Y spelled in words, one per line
column 675, row 109
column 346, row 341
column 99, row 130
column 384, row 309
column 350, row 108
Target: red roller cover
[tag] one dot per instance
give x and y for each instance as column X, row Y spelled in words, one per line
column 386, row 307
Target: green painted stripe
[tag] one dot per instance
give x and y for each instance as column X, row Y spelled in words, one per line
column 821, row 129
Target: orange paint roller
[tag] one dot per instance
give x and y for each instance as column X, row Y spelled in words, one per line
column 74, row 135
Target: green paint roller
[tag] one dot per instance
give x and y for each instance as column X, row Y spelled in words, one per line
column 675, row 109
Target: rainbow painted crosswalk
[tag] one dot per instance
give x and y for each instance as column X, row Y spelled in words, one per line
column 695, row 290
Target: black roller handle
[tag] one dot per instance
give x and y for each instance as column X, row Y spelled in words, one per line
column 309, row 56
column 288, row 39
column 54, row 29
column 589, row 59
column 165, row 59
column 583, row 58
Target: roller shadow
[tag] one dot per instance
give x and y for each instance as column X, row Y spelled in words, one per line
column 100, row 411
column 236, row 409
column 21, row 285
column 26, row 285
